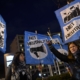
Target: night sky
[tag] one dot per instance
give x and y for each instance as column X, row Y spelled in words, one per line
column 29, row 15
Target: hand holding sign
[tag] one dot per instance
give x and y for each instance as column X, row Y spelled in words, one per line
column 52, row 40
column 49, row 43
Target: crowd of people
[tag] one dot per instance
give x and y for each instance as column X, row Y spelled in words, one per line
column 22, row 70
column 19, row 70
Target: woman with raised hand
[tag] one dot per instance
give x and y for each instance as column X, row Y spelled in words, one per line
column 73, row 58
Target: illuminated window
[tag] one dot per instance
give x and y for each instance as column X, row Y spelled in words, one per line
column 9, row 59
column 20, row 45
column 30, row 67
column 59, row 34
column 8, row 63
column 42, row 65
column 22, row 49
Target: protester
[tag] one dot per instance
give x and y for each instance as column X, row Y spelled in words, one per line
column 73, row 58
column 19, row 68
column 68, row 68
column 38, row 73
column 69, row 71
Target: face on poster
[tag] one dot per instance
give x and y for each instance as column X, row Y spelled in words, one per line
column 70, row 13
column 3, row 35
column 2, row 28
column 68, row 17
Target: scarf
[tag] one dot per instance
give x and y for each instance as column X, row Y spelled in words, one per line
column 23, row 69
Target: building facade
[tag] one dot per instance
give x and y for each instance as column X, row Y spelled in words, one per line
column 17, row 44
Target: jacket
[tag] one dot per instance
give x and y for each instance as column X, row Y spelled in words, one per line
column 22, row 72
column 75, row 65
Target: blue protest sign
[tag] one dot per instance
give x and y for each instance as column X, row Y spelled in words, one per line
column 69, row 18
column 36, row 49
column 57, row 39
column 2, row 34
column 58, row 44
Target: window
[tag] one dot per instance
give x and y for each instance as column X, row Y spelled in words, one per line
column 45, row 66
column 33, row 67
column 44, row 70
column 59, row 34
column 42, row 65
column 48, row 73
column 21, row 41
column 30, row 67
column 20, row 37
column 21, row 49
column 9, row 59
column 20, row 45
column 32, row 72
column 61, row 67
column 53, row 69
column 8, row 63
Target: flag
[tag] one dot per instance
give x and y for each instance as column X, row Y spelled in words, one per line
column 36, row 49
column 69, row 18
column 62, row 48
column 2, row 35
column 57, row 39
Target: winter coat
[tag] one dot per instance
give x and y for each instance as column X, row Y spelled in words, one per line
column 74, row 65
column 22, row 72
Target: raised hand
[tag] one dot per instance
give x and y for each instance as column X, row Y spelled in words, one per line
column 49, row 42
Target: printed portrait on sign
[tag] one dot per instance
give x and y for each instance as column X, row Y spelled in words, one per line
column 2, row 28
column 70, row 13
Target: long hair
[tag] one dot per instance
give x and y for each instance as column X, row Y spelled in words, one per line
column 16, row 60
column 70, row 55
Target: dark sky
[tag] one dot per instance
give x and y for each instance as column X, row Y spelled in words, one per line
column 29, row 15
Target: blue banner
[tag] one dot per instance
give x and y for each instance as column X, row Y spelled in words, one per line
column 62, row 48
column 2, row 35
column 69, row 18
column 57, row 39
column 36, row 49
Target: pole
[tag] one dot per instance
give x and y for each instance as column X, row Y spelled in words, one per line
column 56, row 62
column 50, row 70
column 58, row 67
column 53, row 60
column 55, row 66
column 39, row 59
